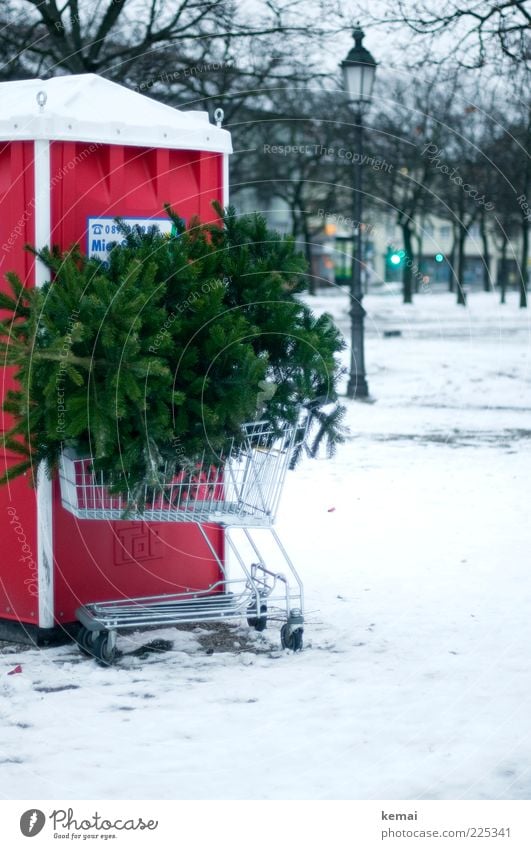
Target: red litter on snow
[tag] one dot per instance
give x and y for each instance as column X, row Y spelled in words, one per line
column 15, row 670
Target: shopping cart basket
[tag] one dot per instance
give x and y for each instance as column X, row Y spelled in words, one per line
column 239, row 491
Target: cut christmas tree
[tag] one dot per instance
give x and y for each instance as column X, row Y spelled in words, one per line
column 160, row 355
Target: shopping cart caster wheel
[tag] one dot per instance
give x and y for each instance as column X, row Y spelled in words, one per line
column 259, row 623
column 104, row 649
column 84, row 641
column 291, row 641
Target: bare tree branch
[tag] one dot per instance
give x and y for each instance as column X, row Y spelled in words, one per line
column 478, row 33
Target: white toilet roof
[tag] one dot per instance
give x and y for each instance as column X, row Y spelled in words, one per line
column 87, row 107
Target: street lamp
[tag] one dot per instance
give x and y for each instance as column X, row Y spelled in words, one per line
column 358, row 69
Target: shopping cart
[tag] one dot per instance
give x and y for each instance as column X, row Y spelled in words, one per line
column 239, row 491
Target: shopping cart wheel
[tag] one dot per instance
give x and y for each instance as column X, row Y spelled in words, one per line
column 291, row 640
column 104, row 649
column 259, row 623
column 84, row 640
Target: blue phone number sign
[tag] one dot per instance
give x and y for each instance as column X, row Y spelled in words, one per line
column 103, row 232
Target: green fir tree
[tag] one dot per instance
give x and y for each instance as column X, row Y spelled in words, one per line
column 176, row 341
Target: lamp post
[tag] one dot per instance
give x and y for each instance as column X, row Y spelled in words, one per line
column 358, row 69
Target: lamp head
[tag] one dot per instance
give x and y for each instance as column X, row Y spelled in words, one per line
column 359, row 69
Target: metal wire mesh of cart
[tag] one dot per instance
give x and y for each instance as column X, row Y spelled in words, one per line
column 242, row 487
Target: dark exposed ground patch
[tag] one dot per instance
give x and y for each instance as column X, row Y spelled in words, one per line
column 213, row 637
column 217, row 637
column 153, row 647
column 455, row 438
column 13, row 648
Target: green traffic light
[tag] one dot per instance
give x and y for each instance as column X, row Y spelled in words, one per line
column 395, row 259
column 439, row 257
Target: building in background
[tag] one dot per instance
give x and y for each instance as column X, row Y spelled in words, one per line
column 330, row 249
column 433, row 263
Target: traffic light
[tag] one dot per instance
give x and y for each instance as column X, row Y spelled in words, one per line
column 439, row 258
column 395, row 258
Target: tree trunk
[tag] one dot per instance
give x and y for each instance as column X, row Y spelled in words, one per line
column 308, row 252
column 451, row 264
column 294, row 223
column 502, row 277
column 461, row 296
column 419, row 265
column 526, row 184
column 407, row 271
column 523, row 263
column 487, row 285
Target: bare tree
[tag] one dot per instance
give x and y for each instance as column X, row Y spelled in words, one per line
column 407, row 130
column 114, row 37
column 464, row 180
column 473, row 34
column 48, row 38
column 297, row 151
column 510, row 150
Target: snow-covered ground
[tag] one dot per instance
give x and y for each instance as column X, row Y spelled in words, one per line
column 415, row 677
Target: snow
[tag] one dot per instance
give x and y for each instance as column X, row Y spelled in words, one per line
column 414, row 679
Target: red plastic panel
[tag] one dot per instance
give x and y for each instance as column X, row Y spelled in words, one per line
column 97, row 561
column 18, row 572
column 17, row 210
column 18, row 532
column 90, row 180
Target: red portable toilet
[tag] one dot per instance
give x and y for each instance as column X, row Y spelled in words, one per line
column 75, row 152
